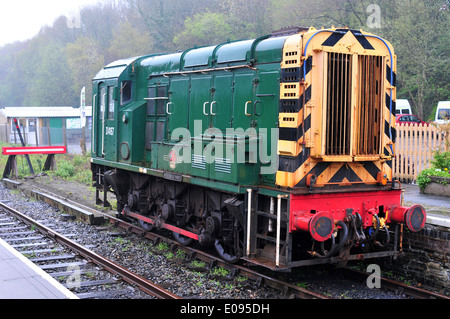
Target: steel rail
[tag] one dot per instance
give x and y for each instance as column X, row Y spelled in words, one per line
column 130, row 277
column 396, row 286
column 284, row 287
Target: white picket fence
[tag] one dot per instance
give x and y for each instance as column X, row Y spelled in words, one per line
column 414, row 150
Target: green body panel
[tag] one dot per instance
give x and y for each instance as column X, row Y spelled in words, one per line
column 235, row 52
column 270, row 50
column 160, row 64
column 199, row 113
column 130, row 133
column 243, row 97
column 222, row 105
column 178, row 110
column 198, row 58
column 266, row 109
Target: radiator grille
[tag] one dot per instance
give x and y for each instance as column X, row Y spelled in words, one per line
column 369, row 105
column 338, row 109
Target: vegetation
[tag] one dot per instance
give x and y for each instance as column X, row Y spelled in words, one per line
column 51, row 68
column 440, row 165
column 440, row 168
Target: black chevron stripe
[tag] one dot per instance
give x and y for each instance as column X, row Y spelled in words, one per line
column 294, row 106
column 345, row 172
column 387, row 127
column 362, row 40
column 394, row 104
column 333, row 39
column 294, row 134
column 308, row 65
column 291, row 164
column 316, row 170
column 372, row 169
column 336, row 36
column 388, row 76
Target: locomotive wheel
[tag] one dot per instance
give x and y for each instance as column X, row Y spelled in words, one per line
column 147, row 226
column 183, row 240
column 226, row 250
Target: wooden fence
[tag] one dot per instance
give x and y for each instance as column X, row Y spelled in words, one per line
column 414, row 150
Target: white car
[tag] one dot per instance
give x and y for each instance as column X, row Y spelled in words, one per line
column 443, row 112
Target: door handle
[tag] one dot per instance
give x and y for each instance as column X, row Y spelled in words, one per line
column 246, row 108
column 204, row 108
column 254, row 108
column 167, row 108
column 211, row 110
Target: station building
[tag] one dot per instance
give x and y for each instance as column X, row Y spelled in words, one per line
column 55, row 125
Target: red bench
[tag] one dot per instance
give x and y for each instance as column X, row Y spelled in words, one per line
column 12, row 152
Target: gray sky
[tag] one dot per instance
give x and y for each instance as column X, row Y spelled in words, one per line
column 22, row 19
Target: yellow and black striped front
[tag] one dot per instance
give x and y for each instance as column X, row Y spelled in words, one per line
column 337, row 108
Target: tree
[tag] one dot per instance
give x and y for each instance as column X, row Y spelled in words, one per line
column 165, row 19
column 419, row 31
column 84, row 61
column 204, row 29
column 249, row 19
column 11, row 94
column 49, row 80
column 128, row 41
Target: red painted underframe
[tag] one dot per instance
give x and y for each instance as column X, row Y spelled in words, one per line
column 150, row 220
column 338, row 203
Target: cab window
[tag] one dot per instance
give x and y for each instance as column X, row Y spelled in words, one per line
column 126, row 92
column 111, row 110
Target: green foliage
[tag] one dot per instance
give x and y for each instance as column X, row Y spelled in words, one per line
column 440, row 168
column 138, row 42
column 220, row 271
column 204, row 29
column 65, row 169
column 84, row 60
column 423, row 179
column 441, row 160
column 419, row 31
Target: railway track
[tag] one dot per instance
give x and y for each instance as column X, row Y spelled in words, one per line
column 69, row 262
column 398, row 287
column 286, row 289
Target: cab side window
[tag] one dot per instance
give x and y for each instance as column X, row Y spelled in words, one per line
column 126, row 92
column 102, row 103
column 111, row 109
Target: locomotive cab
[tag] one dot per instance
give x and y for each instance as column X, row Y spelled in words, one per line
column 119, row 113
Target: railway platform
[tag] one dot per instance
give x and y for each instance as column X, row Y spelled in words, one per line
column 21, row 279
column 437, row 207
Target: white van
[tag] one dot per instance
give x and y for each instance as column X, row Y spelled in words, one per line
column 443, row 112
column 402, row 107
